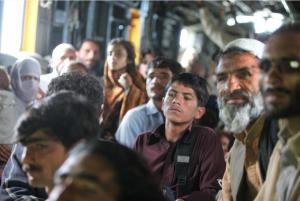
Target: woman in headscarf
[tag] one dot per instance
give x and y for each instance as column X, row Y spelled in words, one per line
column 25, row 79
column 124, row 86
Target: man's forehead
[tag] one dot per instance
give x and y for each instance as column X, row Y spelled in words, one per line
column 159, row 70
column 283, row 45
column 37, row 136
column 89, row 45
column 237, row 62
column 181, row 88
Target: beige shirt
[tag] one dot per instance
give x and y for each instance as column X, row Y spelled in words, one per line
column 249, row 139
column 282, row 181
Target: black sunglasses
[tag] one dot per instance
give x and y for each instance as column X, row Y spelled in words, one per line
column 283, row 65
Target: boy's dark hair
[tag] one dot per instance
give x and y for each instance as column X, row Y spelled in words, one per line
column 160, row 62
column 197, row 83
column 133, row 176
column 86, row 85
column 64, row 116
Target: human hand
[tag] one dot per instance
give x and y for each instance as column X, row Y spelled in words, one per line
column 125, row 80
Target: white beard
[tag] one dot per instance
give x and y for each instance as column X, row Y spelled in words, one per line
column 237, row 117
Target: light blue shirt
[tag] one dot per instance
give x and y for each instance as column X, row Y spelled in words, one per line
column 138, row 120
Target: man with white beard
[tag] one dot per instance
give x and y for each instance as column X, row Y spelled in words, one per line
column 240, row 104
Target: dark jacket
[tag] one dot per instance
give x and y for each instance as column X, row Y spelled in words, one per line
column 14, row 183
column 206, row 165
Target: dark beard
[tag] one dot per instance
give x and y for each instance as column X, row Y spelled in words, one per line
column 293, row 109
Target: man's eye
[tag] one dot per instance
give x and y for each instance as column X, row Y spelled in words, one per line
column 41, row 147
column 171, row 94
column 243, row 74
column 294, row 64
column 221, row 78
column 187, row 98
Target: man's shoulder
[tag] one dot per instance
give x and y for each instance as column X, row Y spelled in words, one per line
column 204, row 131
column 141, row 109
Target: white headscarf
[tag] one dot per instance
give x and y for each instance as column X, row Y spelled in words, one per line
column 25, row 90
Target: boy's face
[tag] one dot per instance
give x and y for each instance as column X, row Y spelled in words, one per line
column 42, row 156
column 180, row 105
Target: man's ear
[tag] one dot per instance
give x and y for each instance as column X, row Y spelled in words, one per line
column 200, row 111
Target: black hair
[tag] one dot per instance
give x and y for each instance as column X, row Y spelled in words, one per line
column 197, row 83
column 135, row 180
column 292, row 27
column 86, row 85
column 64, row 116
column 147, row 51
column 160, row 62
column 88, row 40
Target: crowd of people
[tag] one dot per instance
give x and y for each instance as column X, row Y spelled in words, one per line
column 119, row 132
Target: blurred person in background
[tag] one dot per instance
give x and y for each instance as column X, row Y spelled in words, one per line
column 124, row 86
column 61, row 55
column 89, row 54
column 105, row 171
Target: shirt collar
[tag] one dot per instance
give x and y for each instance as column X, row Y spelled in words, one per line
column 159, row 134
column 151, row 108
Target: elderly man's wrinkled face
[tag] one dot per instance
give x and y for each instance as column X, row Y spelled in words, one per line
column 63, row 58
column 85, row 177
column 238, row 90
column 281, row 75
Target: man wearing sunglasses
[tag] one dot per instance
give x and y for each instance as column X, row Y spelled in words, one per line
column 281, row 92
column 241, row 110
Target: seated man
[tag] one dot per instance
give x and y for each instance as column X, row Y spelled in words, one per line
column 281, row 91
column 49, row 130
column 148, row 116
column 62, row 54
column 14, row 184
column 102, row 170
column 193, row 175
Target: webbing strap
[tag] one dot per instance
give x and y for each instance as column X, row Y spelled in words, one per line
column 183, row 154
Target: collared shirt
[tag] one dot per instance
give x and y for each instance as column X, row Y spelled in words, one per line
column 206, row 162
column 282, row 181
column 138, row 120
column 248, row 141
column 250, row 138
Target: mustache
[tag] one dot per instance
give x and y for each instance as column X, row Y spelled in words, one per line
column 276, row 90
column 31, row 168
column 158, row 86
column 236, row 93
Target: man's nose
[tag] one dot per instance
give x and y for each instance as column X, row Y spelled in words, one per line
column 91, row 55
column 273, row 76
column 233, row 84
column 27, row 156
